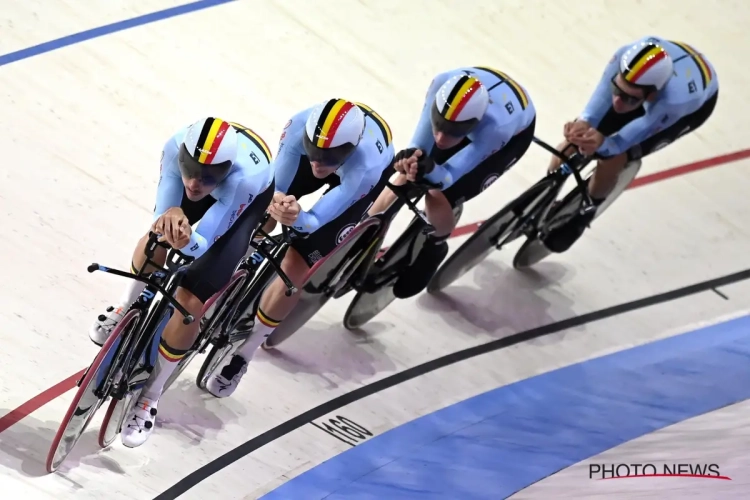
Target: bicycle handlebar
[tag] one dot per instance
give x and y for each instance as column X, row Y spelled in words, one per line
column 153, row 242
column 286, row 240
column 403, row 191
column 572, row 163
column 188, row 318
column 176, row 267
column 287, row 234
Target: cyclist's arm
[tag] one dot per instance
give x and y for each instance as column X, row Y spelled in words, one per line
column 290, row 153
column 222, row 214
column 170, row 190
column 489, row 140
column 601, row 99
column 658, row 117
column 354, row 185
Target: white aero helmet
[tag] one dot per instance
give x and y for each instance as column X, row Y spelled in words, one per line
column 460, row 103
column 208, row 150
column 333, row 131
column 646, row 64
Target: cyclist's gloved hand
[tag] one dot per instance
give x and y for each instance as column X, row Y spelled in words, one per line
column 424, row 166
column 404, row 154
column 403, row 159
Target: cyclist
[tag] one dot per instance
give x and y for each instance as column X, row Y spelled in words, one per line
column 338, row 143
column 653, row 92
column 475, row 124
column 216, row 174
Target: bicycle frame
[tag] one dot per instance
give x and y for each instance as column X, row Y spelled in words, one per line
column 572, row 164
column 360, row 272
column 263, row 272
column 133, row 347
column 163, row 282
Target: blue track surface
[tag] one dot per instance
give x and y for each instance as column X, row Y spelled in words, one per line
column 497, row 443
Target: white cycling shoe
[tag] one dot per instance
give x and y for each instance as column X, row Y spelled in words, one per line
column 105, row 323
column 227, row 376
column 139, row 424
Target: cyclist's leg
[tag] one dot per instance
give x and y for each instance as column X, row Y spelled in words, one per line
column 105, row 323
column 684, row 126
column 274, row 305
column 439, row 206
column 303, row 183
column 205, row 277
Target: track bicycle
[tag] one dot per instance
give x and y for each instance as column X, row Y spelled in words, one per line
column 533, row 215
column 356, row 264
column 125, row 361
column 232, row 321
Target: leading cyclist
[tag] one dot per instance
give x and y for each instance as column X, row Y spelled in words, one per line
column 215, row 185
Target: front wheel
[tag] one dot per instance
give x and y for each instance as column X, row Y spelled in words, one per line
column 367, row 305
column 533, row 250
column 308, row 306
column 499, row 230
column 93, row 390
column 116, row 412
column 325, row 278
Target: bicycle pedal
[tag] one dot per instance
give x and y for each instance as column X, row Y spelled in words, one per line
column 588, row 210
column 238, row 337
column 140, row 376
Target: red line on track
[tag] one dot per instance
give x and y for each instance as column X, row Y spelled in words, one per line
column 69, row 383
column 647, row 179
column 689, row 168
column 39, row 400
column 701, row 476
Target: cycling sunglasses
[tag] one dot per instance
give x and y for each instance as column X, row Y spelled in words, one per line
column 628, row 99
column 208, row 175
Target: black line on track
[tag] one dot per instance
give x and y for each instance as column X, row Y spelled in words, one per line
column 720, row 294
column 300, row 420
